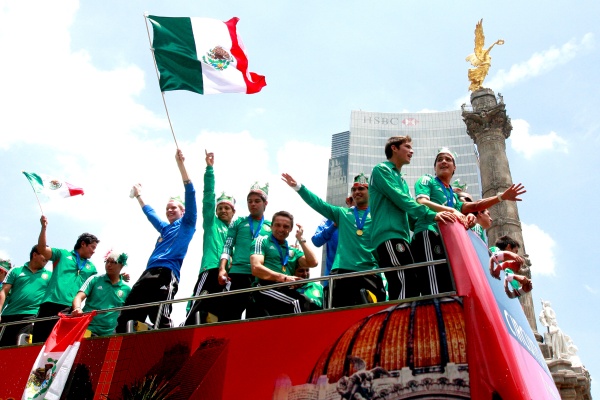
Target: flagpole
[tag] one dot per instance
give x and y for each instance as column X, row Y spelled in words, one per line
column 36, row 196
column 158, row 79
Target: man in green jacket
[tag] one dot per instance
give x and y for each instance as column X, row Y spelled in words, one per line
column 355, row 252
column 216, row 217
column 392, row 208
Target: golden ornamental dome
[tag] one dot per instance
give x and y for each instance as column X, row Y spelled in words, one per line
column 424, row 336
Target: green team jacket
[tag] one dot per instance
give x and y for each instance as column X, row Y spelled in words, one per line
column 354, row 252
column 215, row 230
column 238, row 244
column 392, row 205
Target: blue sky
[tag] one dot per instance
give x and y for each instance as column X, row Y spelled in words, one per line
column 80, row 100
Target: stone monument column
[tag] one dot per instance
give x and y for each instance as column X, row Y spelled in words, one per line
column 489, row 127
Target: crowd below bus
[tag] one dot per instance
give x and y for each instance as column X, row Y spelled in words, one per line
column 381, row 226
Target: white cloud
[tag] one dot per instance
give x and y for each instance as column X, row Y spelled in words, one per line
column 542, row 62
column 4, row 255
column 256, row 112
column 538, row 64
column 540, row 247
column 530, row 145
column 590, row 289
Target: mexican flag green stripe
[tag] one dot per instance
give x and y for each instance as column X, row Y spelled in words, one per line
column 175, row 53
column 201, row 55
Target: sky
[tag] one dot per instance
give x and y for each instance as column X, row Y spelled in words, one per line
column 80, row 101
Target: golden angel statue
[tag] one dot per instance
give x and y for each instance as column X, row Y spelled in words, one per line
column 480, row 59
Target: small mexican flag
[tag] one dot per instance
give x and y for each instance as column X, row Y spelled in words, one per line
column 51, row 369
column 50, row 186
column 202, row 55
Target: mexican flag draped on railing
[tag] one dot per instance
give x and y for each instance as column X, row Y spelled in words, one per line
column 52, row 366
column 202, row 55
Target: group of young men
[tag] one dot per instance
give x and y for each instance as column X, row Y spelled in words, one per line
column 374, row 231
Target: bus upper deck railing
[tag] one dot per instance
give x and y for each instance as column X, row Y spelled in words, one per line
column 326, row 305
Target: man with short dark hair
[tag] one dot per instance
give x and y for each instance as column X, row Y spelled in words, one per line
column 103, row 292
column 355, row 251
column 393, row 210
column 234, row 266
column 505, row 258
column 269, row 260
column 160, row 280
column 71, row 270
column 215, row 224
column 22, row 294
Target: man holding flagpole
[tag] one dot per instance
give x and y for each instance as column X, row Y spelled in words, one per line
column 160, row 280
column 71, row 269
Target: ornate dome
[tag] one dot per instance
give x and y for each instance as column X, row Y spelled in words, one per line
column 424, row 336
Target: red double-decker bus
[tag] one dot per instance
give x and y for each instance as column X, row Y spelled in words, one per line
column 472, row 343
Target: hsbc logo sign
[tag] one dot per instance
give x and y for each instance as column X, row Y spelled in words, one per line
column 408, row 122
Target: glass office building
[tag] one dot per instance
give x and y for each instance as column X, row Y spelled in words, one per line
column 362, row 147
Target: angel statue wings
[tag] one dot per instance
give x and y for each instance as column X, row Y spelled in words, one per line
column 480, row 59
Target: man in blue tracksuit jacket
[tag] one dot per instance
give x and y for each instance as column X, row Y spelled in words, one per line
column 160, row 280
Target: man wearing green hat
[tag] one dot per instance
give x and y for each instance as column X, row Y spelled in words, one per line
column 22, row 294
column 160, row 280
column 71, row 270
column 103, row 292
column 436, row 193
column 234, row 267
column 216, row 217
column 355, row 252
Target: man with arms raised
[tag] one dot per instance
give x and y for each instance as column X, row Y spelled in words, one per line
column 71, row 269
column 240, row 235
column 354, row 253
column 22, row 294
column 104, row 292
column 270, row 263
column 392, row 209
column 215, row 227
column 160, row 280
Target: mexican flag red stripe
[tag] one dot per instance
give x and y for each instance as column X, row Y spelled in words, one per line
column 50, row 186
column 202, row 55
column 51, row 369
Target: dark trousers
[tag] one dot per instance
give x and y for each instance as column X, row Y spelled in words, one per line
column 235, row 304
column 208, row 282
column 402, row 284
column 347, row 291
column 279, row 301
column 155, row 284
column 42, row 329
column 432, row 279
column 12, row 332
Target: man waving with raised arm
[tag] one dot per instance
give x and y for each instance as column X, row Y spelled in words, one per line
column 160, row 280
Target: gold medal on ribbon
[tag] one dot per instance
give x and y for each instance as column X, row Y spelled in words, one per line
column 359, row 232
column 283, row 268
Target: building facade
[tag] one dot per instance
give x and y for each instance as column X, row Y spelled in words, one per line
column 362, row 147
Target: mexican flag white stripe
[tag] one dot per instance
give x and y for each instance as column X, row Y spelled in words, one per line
column 51, row 186
column 50, row 371
column 202, row 55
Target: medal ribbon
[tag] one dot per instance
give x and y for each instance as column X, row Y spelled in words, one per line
column 284, row 260
column 448, row 192
column 78, row 260
column 260, row 224
column 360, row 222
